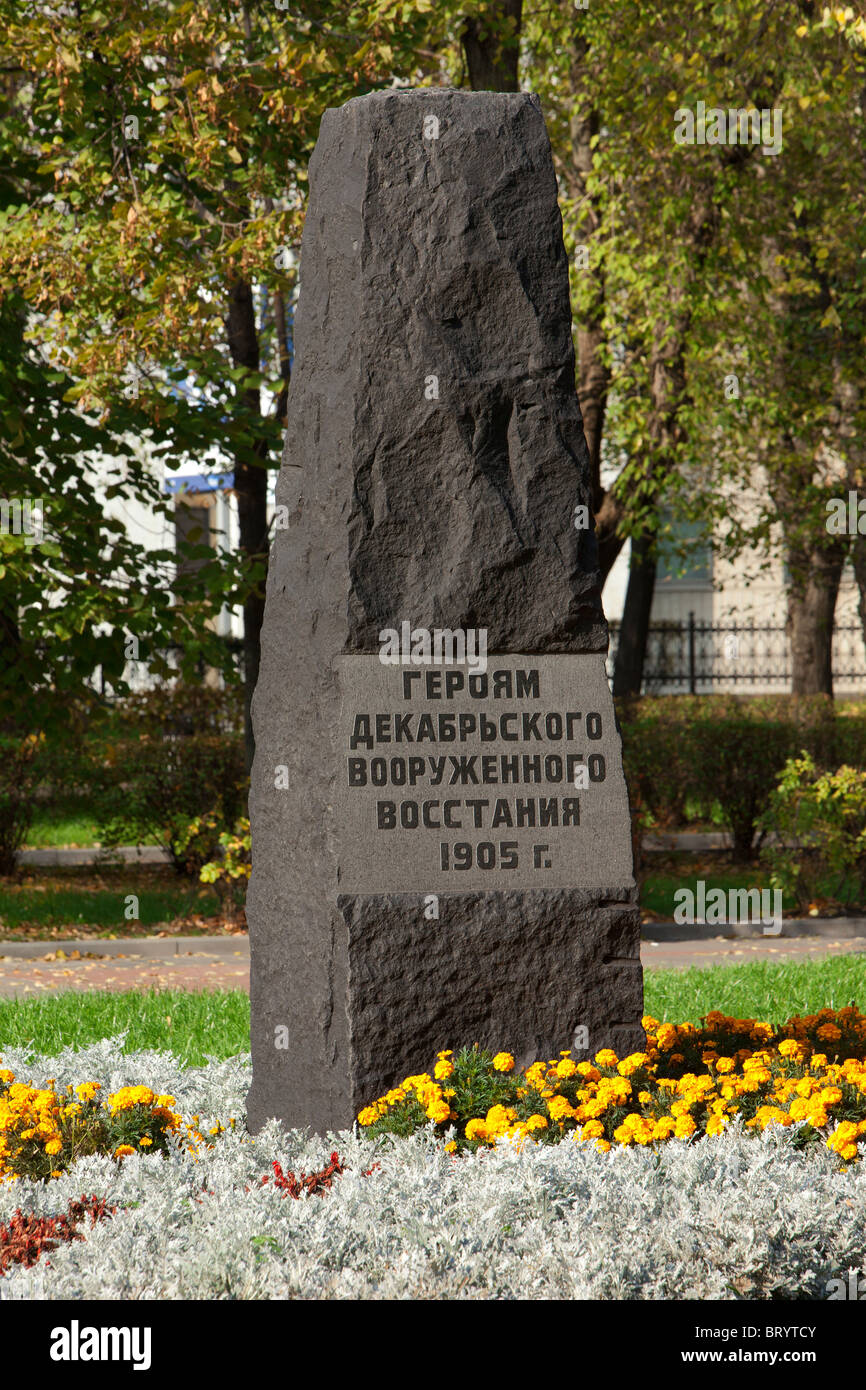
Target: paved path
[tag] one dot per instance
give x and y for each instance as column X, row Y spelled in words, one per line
column 742, row 950
column 29, row 969
column 185, row 963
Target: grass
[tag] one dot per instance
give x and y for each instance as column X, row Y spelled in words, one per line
column 51, row 900
column 217, row 1023
column 193, row 1026
column 657, row 889
column 759, row 989
column 665, row 873
column 63, row 823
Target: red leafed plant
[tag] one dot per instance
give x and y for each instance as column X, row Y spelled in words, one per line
column 314, row 1184
column 25, row 1236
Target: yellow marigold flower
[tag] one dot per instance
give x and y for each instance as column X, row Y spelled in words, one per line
column 716, row 1124
column 395, row 1096
column 443, row 1070
column 632, row 1063
column 588, row 1071
column 849, row 1152
column 368, row 1116
column 536, row 1122
column 53, row 1146
column 503, row 1061
column 725, row 1064
column 606, row 1057
column 644, row 1097
column 593, row 1129
column 603, row 1146
column 648, row 1022
column 789, row 1048
column 844, row 1133
column 616, row 1087
column 87, row 1090
column 476, row 1129
column 498, row 1118
column 818, row 1062
column 448, row 1052
column 685, row 1126
column 123, row 1151
column 439, row 1111
column 451, row 1146
column 560, row 1108
column 831, row 1095
column 566, row 1068
column 145, row 1143
column 665, row 1126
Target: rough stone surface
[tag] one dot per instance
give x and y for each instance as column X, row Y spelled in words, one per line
column 421, row 258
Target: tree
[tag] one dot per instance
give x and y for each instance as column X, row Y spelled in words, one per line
column 174, row 138
column 672, row 243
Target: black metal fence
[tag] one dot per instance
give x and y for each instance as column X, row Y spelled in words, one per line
column 697, row 657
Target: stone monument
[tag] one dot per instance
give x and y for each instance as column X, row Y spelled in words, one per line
column 440, row 828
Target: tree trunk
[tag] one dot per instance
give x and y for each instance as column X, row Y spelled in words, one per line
column 858, row 560
column 491, row 45
column 633, row 633
column 811, row 607
column 251, row 489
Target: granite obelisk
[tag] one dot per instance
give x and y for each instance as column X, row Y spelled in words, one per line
column 440, row 829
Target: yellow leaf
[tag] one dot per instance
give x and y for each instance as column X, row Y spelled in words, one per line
column 235, row 155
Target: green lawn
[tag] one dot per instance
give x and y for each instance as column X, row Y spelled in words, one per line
column 191, row 1025
column 62, row 824
column 758, row 989
column 47, row 900
column 657, row 889
column 216, row 1023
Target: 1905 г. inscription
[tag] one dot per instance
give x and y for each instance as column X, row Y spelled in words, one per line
column 456, row 780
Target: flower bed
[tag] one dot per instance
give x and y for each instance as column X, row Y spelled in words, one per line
column 743, row 1214
column 42, row 1131
column 689, row 1082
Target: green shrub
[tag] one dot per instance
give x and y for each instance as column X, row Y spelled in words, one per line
column 177, row 755
column 820, row 821
column 736, row 761
column 722, row 755
column 229, row 870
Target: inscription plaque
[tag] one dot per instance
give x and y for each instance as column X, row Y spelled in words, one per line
column 455, row 780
